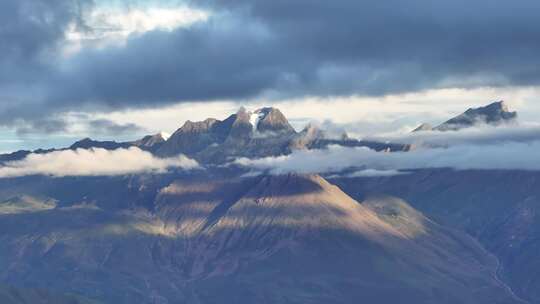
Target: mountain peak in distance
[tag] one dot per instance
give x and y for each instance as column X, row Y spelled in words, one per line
column 495, row 114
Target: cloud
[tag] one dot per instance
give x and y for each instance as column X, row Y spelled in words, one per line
column 365, row 173
column 109, row 127
column 112, row 26
column 253, row 49
column 508, row 155
column 31, row 31
column 478, row 135
column 373, row 173
column 73, row 122
column 94, row 162
column 30, row 28
column 41, row 125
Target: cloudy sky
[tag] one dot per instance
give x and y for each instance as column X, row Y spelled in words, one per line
column 122, row 69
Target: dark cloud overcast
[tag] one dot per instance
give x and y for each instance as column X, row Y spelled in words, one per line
column 250, row 49
column 31, row 31
column 28, row 30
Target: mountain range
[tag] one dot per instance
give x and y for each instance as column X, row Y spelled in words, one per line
column 267, row 132
column 221, row 235
column 261, row 133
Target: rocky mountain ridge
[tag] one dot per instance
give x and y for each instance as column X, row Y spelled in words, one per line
column 261, row 133
column 266, row 132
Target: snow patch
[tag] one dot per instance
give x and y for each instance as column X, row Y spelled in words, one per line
column 254, row 119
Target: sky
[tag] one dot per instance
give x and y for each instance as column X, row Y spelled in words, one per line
column 122, row 69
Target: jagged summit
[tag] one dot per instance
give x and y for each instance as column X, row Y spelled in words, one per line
column 263, row 132
column 496, row 113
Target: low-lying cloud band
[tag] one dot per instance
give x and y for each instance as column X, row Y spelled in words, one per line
column 94, row 162
column 505, row 156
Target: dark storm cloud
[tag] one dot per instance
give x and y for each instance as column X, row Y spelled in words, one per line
column 250, row 49
column 28, row 30
column 30, row 34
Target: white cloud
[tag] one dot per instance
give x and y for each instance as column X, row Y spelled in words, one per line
column 170, row 118
column 359, row 116
column 368, row 173
column 93, row 162
column 509, row 155
column 374, row 172
column 113, row 25
column 478, row 135
column 392, row 116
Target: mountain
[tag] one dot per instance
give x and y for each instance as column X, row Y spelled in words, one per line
column 261, row 133
column 220, row 235
column 216, row 237
column 496, row 113
column 264, row 132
